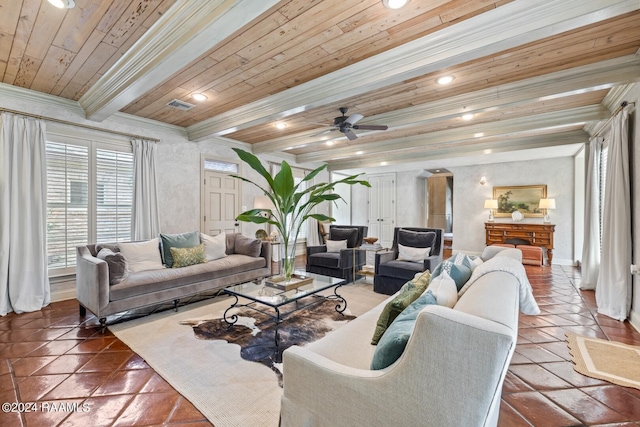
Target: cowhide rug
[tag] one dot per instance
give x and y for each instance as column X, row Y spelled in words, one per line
column 254, row 331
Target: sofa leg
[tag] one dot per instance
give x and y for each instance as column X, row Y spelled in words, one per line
column 103, row 324
column 83, row 310
column 175, row 304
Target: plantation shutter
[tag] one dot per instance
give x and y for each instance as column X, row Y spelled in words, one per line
column 67, row 202
column 114, row 195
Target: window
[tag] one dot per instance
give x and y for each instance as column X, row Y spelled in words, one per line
column 89, row 197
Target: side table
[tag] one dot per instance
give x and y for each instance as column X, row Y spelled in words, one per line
column 368, row 270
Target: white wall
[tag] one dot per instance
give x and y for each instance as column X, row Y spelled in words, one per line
column 469, row 214
column 634, row 142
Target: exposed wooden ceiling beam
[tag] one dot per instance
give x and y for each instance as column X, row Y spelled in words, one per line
column 478, row 149
column 601, row 75
column 165, row 49
column 556, row 119
column 502, row 28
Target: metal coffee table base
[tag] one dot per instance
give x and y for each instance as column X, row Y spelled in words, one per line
column 231, row 318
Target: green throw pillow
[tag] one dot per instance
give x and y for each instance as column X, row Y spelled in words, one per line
column 395, row 339
column 183, row 257
column 182, row 240
column 407, row 294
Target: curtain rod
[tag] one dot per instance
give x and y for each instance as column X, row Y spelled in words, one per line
column 292, row 167
column 79, row 125
column 615, row 113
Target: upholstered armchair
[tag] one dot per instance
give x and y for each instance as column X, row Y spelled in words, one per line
column 392, row 270
column 330, row 261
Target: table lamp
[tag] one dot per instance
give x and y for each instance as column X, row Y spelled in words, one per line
column 547, row 204
column 263, row 202
column 491, row 204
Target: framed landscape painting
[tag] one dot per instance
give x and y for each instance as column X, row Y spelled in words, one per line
column 523, row 198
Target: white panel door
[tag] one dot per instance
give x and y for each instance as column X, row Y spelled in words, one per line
column 221, row 203
column 382, row 208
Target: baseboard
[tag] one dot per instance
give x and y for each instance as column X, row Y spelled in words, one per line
column 62, row 295
column 634, row 319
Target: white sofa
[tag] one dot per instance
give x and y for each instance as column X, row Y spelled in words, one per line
column 450, row 373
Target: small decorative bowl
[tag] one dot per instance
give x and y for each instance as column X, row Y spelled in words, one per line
column 371, row 240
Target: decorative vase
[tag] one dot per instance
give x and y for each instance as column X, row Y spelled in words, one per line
column 287, row 259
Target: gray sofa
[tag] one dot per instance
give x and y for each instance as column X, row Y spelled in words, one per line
column 145, row 288
column 450, row 373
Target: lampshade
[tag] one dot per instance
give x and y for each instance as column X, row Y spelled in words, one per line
column 547, row 204
column 262, row 202
column 491, row 204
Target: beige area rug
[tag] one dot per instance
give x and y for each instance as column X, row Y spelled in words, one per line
column 606, row 360
column 228, row 390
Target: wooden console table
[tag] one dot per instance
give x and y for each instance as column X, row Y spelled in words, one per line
column 536, row 234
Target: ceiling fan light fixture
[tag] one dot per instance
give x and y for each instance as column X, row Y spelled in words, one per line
column 444, row 80
column 199, row 97
column 394, row 4
column 63, row 4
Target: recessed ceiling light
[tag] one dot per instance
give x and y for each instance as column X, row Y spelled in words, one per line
column 359, row 152
column 199, row 97
column 444, row 80
column 394, row 4
column 329, row 142
column 281, row 125
column 63, row 4
column 383, row 163
column 478, row 135
column 467, row 116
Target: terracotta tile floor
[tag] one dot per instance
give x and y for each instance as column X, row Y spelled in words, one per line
column 53, row 357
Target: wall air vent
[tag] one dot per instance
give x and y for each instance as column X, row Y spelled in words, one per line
column 180, row 105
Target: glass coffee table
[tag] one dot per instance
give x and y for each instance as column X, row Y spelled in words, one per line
column 262, row 298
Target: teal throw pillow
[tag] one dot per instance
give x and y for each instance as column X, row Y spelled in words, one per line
column 407, row 294
column 395, row 338
column 460, row 273
column 182, row 240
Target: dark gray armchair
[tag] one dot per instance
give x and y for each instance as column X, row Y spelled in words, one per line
column 391, row 273
column 339, row 264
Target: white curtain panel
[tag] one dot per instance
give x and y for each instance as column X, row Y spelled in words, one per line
column 613, row 291
column 591, row 244
column 145, row 221
column 24, row 281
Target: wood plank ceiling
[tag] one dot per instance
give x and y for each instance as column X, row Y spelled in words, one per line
column 532, row 73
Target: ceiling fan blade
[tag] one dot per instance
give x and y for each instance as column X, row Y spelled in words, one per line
column 350, row 134
column 353, row 118
column 322, row 132
column 371, row 127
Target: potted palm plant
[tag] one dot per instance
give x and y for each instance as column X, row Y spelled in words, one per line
column 293, row 205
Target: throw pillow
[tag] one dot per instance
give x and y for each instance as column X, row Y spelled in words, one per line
column 460, row 273
column 444, row 289
column 214, row 246
column 184, row 257
column 394, row 340
column 416, row 239
column 407, row 253
column 111, row 246
column 407, row 294
column 348, row 234
column 117, row 264
column 336, row 245
column 422, row 278
column 142, row 256
column 182, row 240
column 248, row 246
